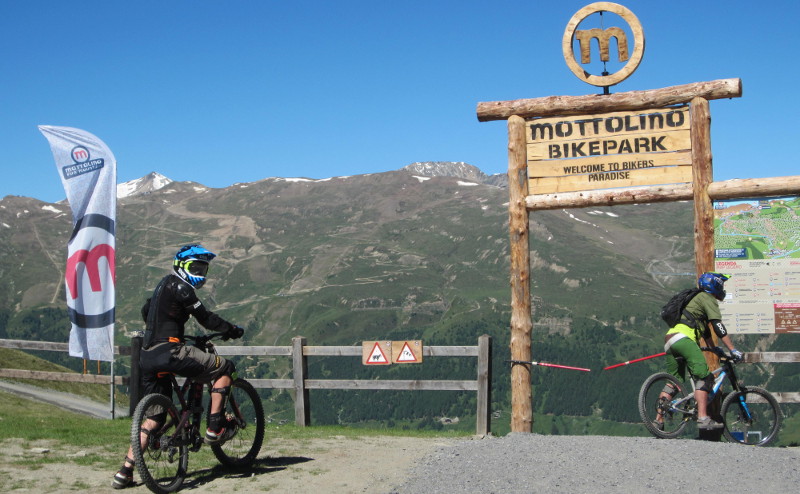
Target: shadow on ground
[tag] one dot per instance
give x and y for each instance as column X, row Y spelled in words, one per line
column 259, row 467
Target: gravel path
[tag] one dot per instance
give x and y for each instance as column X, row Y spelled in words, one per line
column 532, row 463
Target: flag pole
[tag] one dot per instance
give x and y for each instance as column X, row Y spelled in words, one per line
column 112, row 390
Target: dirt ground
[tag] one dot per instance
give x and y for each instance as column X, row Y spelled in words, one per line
column 337, row 465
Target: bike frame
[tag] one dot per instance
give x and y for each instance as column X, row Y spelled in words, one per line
column 725, row 370
column 190, row 398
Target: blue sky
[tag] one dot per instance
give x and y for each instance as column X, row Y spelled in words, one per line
column 221, row 92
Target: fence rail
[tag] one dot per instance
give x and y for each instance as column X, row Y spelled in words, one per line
column 776, row 358
column 772, row 357
column 62, row 376
column 51, row 346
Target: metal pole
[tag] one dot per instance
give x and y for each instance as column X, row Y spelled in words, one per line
column 112, row 390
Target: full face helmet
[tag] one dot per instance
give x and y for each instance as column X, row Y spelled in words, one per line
column 713, row 284
column 191, row 264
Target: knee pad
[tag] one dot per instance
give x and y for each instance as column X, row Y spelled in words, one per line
column 158, row 418
column 670, row 389
column 705, row 384
column 223, row 391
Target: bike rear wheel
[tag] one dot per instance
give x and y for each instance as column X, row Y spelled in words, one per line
column 163, row 462
column 660, row 419
column 752, row 416
column 245, row 413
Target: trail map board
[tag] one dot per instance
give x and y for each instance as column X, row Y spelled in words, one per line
column 758, row 242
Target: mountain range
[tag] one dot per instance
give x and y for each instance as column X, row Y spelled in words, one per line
column 418, row 253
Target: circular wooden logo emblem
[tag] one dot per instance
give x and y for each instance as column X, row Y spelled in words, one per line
column 603, row 37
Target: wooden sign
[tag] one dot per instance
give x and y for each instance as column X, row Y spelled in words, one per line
column 612, row 150
column 376, row 352
column 407, row 352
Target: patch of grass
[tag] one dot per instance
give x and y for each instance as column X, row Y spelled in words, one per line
column 80, row 485
column 27, row 424
column 32, row 421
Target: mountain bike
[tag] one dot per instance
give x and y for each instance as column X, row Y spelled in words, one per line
column 162, row 461
column 750, row 415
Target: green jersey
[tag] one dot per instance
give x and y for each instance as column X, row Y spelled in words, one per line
column 704, row 307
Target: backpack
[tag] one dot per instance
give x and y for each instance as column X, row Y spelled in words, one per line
column 675, row 309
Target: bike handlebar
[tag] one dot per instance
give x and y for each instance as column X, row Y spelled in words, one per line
column 720, row 352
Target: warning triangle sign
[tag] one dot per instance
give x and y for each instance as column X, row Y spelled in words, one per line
column 376, row 356
column 406, row 355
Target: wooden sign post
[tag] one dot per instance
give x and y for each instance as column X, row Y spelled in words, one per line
column 603, row 150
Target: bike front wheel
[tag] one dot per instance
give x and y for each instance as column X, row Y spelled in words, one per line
column 664, row 415
column 752, row 416
column 245, row 415
column 161, row 452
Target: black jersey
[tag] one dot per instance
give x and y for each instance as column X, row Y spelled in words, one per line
column 167, row 311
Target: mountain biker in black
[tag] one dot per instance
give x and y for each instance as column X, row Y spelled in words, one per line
column 164, row 351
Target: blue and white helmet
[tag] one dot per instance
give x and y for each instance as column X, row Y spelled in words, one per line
column 191, row 264
column 713, row 283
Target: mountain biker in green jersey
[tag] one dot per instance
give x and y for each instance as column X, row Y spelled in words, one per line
column 683, row 340
column 164, row 352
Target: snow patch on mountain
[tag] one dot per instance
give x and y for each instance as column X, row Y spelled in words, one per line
column 457, row 169
column 149, row 183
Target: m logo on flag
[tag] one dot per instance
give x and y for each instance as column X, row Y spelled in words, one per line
column 82, row 163
column 80, row 154
column 91, row 260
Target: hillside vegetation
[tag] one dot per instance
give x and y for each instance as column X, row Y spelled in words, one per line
column 392, row 256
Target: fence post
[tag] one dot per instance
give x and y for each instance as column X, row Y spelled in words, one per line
column 135, row 384
column 483, row 424
column 302, row 410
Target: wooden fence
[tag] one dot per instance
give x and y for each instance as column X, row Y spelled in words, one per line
column 300, row 381
column 776, row 358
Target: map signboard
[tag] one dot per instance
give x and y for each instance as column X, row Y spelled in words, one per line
column 758, row 243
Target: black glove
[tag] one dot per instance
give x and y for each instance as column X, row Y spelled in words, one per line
column 233, row 333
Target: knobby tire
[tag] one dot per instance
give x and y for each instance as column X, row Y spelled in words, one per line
column 756, row 422
column 163, row 463
column 649, row 403
column 245, row 408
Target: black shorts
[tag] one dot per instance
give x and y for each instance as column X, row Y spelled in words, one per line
column 179, row 359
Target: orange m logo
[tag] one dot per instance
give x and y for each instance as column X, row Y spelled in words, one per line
column 90, row 259
column 603, row 37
